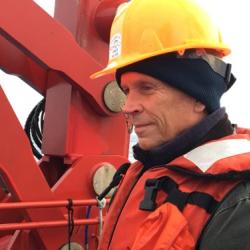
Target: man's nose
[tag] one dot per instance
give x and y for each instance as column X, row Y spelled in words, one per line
column 132, row 105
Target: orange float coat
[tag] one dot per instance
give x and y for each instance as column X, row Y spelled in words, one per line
column 167, row 227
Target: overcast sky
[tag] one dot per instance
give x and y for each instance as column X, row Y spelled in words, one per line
column 233, row 18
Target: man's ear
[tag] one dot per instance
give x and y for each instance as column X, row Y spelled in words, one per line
column 199, row 107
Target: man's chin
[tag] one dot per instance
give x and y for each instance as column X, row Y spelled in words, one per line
column 145, row 144
column 148, row 143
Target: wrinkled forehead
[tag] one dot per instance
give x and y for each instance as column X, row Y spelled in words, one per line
column 134, row 78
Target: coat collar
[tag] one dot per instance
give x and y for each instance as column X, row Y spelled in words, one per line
column 214, row 126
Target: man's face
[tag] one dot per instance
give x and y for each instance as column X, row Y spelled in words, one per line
column 158, row 111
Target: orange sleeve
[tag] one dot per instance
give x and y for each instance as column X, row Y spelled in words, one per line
column 240, row 130
column 164, row 229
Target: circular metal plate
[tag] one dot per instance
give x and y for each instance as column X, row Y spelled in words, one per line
column 102, row 178
column 114, row 98
column 73, row 246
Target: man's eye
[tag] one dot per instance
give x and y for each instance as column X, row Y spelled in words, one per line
column 146, row 88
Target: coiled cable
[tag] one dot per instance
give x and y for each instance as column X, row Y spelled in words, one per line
column 34, row 128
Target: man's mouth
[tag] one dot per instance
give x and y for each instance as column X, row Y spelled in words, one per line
column 139, row 128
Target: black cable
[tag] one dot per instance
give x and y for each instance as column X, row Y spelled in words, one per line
column 27, row 130
column 116, row 180
column 42, row 119
column 34, row 128
column 70, row 221
column 86, row 241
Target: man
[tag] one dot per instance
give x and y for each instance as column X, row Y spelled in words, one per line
column 188, row 188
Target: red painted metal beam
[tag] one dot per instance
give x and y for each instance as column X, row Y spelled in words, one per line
column 25, row 181
column 46, row 204
column 22, row 175
column 44, row 53
column 104, row 16
column 80, row 134
column 89, row 21
column 50, row 47
column 45, row 224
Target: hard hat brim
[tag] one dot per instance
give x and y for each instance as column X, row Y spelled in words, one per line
column 223, row 50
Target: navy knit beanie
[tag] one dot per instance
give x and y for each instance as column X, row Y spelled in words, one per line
column 194, row 77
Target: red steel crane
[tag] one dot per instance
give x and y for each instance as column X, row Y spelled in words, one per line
column 50, row 203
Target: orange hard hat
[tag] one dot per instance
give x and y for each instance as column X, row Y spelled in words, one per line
column 146, row 28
